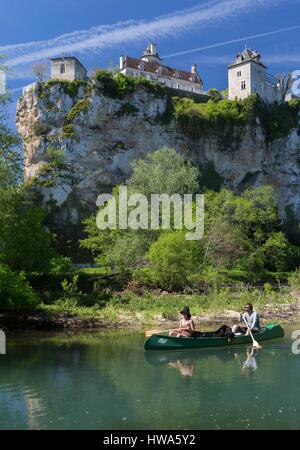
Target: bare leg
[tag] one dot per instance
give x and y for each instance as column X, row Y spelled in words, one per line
column 174, row 333
column 238, row 329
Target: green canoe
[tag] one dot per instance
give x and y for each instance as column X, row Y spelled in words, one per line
column 164, row 342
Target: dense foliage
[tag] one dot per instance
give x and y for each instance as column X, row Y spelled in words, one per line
column 119, row 85
column 225, row 118
column 220, row 115
column 25, row 244
column 15, row 291
column 243, row 233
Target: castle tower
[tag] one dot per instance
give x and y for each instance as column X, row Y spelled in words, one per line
column 248, row 75
column 68, row 68
column 151, row 55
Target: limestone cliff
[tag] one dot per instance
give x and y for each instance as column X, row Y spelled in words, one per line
column 99, row 135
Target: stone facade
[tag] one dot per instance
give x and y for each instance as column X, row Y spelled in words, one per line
column 247, row 75
column 151, row 66
column 68, row 68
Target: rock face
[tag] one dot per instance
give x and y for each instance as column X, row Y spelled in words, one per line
column 100, row 136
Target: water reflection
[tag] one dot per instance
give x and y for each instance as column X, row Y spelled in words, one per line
column 250, row 363
column 185, row 366
column 95, row 381
column 185, row 362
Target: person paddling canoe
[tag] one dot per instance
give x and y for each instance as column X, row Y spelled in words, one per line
column 251, row 317
column 187, row 325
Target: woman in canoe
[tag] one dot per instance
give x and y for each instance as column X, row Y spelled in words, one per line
column 187, row 325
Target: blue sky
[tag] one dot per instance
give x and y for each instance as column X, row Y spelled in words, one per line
column 98, row 31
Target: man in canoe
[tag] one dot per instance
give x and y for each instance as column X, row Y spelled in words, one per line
column 251, row 317
column 187, row 325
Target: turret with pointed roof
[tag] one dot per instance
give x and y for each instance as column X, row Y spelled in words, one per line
column 248, row 75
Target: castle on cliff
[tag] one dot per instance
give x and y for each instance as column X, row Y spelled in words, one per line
column 151, row 66
column 246, row 74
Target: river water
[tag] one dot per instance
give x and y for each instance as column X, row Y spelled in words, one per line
column 107, row 381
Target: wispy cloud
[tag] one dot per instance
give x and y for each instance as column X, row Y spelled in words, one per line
column 232, row 41
column 21, row 56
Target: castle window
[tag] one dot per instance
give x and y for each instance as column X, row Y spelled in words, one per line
column 142, row 66
column 176, row 75
column 243, row 85
column 239, row 73
column 178, row 86
column 62, row 69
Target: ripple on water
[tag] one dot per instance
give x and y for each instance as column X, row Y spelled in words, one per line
column 109, row 382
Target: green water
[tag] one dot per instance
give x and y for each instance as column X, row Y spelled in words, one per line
column 106, row 381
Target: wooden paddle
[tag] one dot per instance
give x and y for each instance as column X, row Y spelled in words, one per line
column 255, row 343
column 149, row 333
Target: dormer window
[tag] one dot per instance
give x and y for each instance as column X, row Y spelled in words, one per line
column 177, row 75
column 142, row 66
column 159, row 70
column 62, row 69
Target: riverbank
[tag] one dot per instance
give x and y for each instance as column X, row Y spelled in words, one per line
column 126, row 310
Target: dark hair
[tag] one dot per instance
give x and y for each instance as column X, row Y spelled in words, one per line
column 186, row 314
column 250, row 305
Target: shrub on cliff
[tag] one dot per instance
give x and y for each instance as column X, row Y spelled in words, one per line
column 55, row 157
column 217, row 115
column 15, row 291
column 279, row 119
column 197, row 118
column 79, row 107
column 119, row 85
column 70, row 88
column 41, row 129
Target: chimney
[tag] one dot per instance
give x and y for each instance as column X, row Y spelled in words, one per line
column 153, row 49
column 194, row 68
column 122, row 61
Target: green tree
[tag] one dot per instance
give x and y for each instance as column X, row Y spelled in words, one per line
column 255, row 211
column 245, row 230
column 173, row 259
column 276, row 250
column 224, row 244
column 25, row 243
column 164, row 171
column 10, row 155
column 15, row 291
